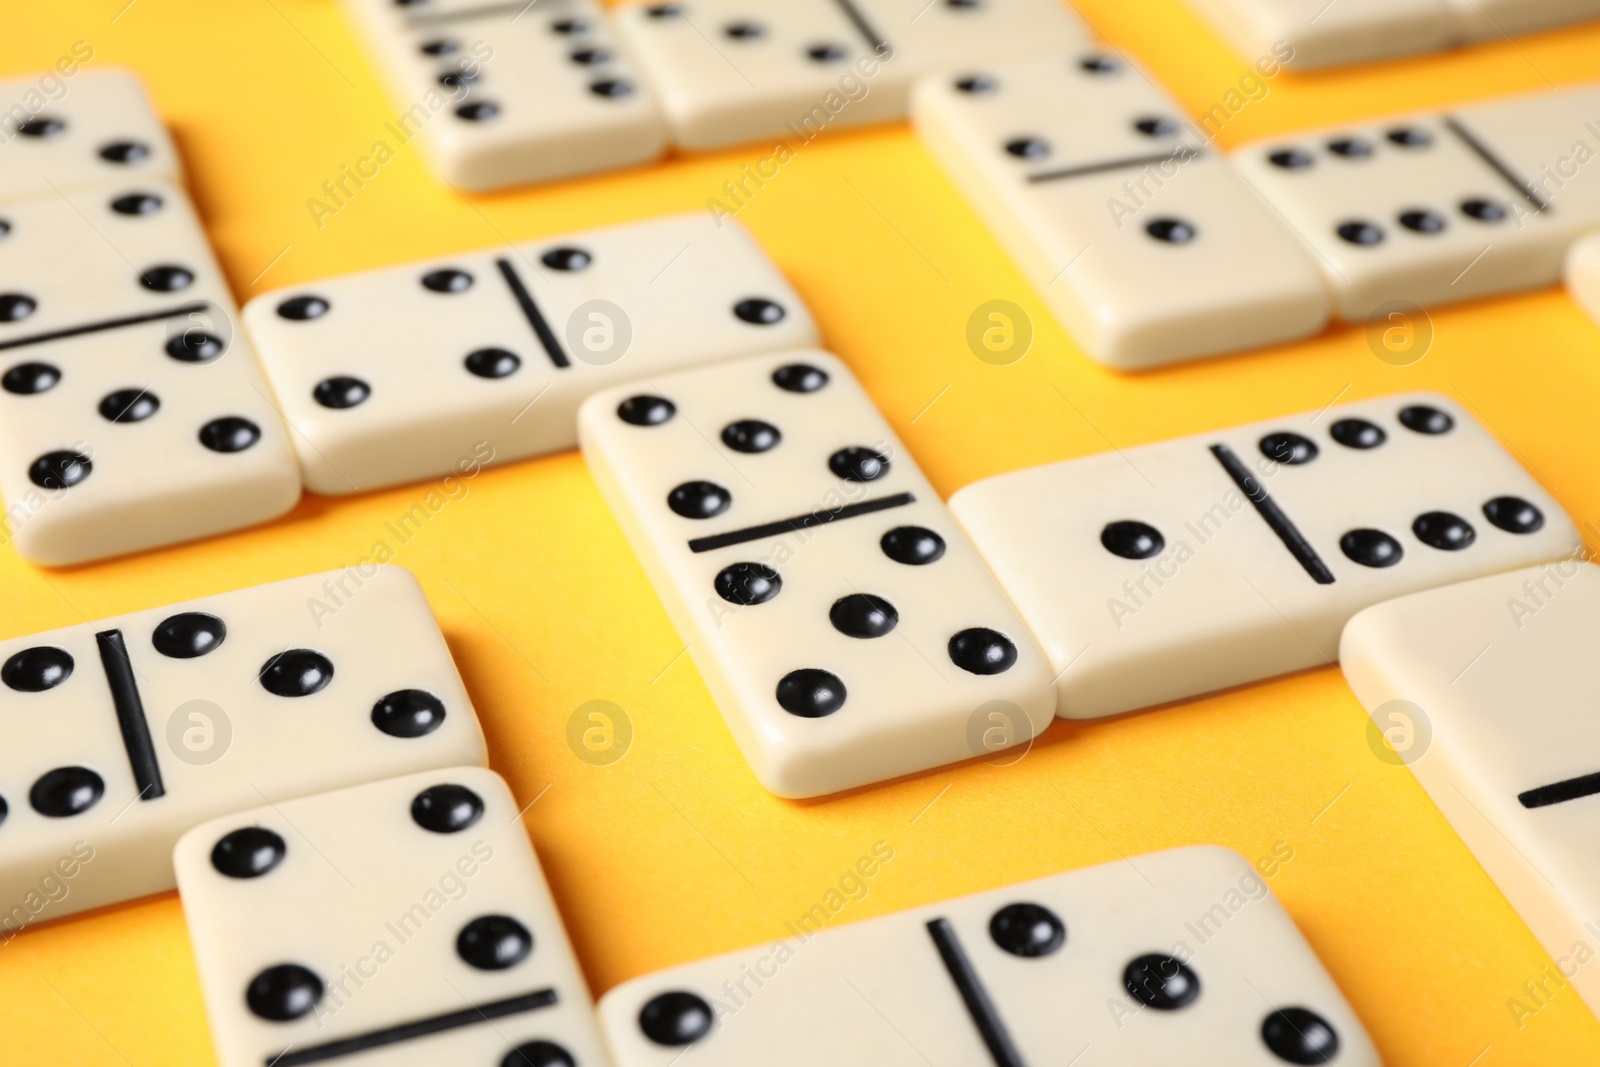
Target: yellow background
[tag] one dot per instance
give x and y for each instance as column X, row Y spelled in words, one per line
column 674, row 852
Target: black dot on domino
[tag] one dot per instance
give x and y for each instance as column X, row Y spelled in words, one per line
column 493, row 943
column 1444, row 530
column 1409, row 137
column 566, row 259
column 663, row 11
column 442, row 46
column 699, row 500
column 1027, row 930
column 981, row 650
column 857, row 464
column 229, row 434
column 283, row 992
column 863, row 615
column 1513, row 515
column 248, row 852
column 1291, row 159
column 743, row 31
column 1357, row 433
column 303, row 308
column 447, row 280
column 195, row 346
column 1420, row 418
column 1028, row 147
column 1350, row 147
column 751, row 436
column 1289, row 448
column 5, row 809
column 569, row 27
column 34, row 670
column 408, row 713
column 538, row 1054
column 59, row 470
column 124, row 152
column 446, row 809
column 136, row 204
column 1161, row 982
column 646, row 410
column 1099, row 65
column 166, row 278
column 811, row 693
column 14, row 307
column 42, row 126
column 1299, row 1035
column 1422, row 221
column 189, row 635
column 976, row 84
column 456, row 79
column 129, row 405
column 675, row 1019
column 747, row 584
column 1483, row 210
column 1155, row 126
column 759, row 311
column 26, row 379
column 1132, row 539
column 1371, row 548
column 1360, row 232
column 298, row 672
column 799, row 378
column 1172, row 231
column 479, row 111
column 914, row 546
column 66, row 791
column 611, row 88
column 826, row 53
column 492, row 363
column 341, row 391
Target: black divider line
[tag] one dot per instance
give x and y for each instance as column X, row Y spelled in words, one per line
column 434, row 1024
column 102, row 326
column 1281, row 524
column 799, row 522
column 984, row 1016
column 531, row 312
column 130, row 714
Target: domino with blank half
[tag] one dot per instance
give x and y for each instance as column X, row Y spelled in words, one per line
column 1164, row 571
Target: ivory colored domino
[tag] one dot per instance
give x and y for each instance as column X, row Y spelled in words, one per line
column 125, row 732
column 1583, row 274
column 498, row 94
column 1432, row 209
column 403, row 922
column 731, row 71
column 83, row 128
column 1168, row 570
column 845, row 627
column 1178, row 956
column 132, row 412
column 1485, row 690
column 416, row 371
column 1145, row 244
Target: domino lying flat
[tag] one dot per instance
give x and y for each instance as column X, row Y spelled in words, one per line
column 401, row 373
column 1432, row 209
column 313, row 930
column 1488, row 686
column 1146, row 245
column 123, row 733
column 132, row 413
column 1583, row 274
column 844, row 626
column 69, row 128
column 730, row 71
column 1176, row 957
column 1357, row 31
column 1173, row 569
column 501, row 93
